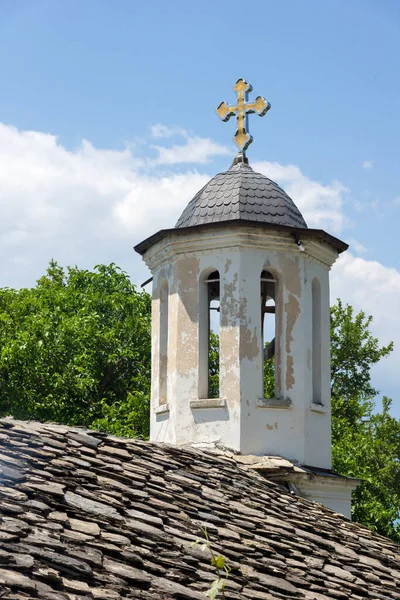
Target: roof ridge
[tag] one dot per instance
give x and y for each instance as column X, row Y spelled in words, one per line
column 96, row 516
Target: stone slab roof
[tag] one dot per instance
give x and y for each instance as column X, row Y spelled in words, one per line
column 85, row 515
column 241, row 193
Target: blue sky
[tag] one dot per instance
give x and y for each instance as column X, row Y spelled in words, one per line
column 109, row 72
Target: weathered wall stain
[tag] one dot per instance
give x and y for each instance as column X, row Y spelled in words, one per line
column 183, row 262
column 271, row 427
column 243, row 312
column 230, row 364
column 229, row 304
column 291, row 268
column 292, row 309
column 184, row 312
column 278, row 334
column 187, row 272
column 248, row 343
column 289, row 372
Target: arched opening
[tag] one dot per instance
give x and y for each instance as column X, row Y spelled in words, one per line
column 163, row 344
column 316, row 340
column 268, row 332
column 209, row 326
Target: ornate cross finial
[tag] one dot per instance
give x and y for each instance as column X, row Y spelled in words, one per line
column 242, row 109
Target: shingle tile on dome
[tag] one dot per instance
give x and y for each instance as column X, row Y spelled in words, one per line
column 243, row 194
column 84, row 515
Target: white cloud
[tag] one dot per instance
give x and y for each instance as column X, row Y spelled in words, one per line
column 367, row 285
column 368, row 164
column 195, row 150
column 88, row 206
column 164, row 131
column 81, row 206
column 156, row 200
column 375, row 289
column 357, row 246
column 321, row 205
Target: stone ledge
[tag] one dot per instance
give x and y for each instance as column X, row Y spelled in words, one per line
column 319, row 408
column 161, row 409
column 208, row 403
column 273, row 403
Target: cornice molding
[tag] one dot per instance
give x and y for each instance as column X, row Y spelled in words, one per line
column 209, row 241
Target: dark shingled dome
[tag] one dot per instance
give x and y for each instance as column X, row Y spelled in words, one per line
column 240, row 193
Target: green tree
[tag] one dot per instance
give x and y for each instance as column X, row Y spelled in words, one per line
column 76, row 349
column 365, row 441
column 354, row 351
column 269, row 377
column 370, row 450
column 213, row 365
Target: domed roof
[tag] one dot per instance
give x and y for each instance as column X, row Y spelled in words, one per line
column 240, row 193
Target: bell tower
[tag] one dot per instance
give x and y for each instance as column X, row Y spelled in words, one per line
column 242, row 260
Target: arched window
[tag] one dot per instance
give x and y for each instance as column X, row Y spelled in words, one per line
column 209, row 323
column 316, row 340
column 268, row 332
column 163, row 344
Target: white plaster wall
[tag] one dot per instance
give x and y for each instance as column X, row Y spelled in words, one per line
column 335, row 493
column 182, row 424
column 298, row 432
column 317, row 450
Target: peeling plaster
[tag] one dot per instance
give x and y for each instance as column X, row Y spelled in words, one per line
column 248, row 344
column 291, row 269
column 184, row 321
column 301, row 434
column 230, row 371
column 187, row 276
column 289, row 372
column 229, row 305
column 278, row 337
column 243, row 310
column 292, row 308
column 271, row 427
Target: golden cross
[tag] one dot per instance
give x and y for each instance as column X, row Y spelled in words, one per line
column 242, row 109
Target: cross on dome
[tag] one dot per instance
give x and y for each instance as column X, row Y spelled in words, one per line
column 241, row 110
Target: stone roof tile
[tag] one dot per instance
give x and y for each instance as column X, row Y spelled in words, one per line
column 115, row 519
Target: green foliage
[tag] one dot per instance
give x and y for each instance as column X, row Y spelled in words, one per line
column 222, row 569
column 213, row 366
column 354, row 351
column 269, row 377
column 365, row 442
column 371, row 451
column 76, row 349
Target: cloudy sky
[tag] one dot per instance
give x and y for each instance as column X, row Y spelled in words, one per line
column 108, row 128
